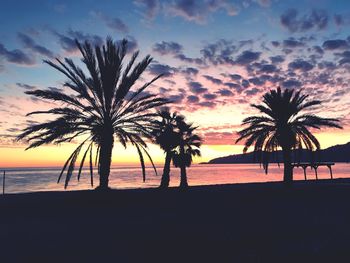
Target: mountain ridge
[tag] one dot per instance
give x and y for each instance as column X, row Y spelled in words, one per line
column 336, row 153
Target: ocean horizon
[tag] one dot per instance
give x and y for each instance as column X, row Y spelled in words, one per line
column 35, row 179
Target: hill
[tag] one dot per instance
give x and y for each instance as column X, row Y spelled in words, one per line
column 337, row 153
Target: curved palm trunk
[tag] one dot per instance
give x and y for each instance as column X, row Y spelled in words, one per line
column 166, row 172
column 288, row 170
column 105, row 159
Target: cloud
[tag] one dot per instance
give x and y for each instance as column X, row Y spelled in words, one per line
column 29, row 43
column 25, row 86
column 235, row 77
column 225, row 92
column 209, row 96
column 292, row 43
column 167, row 48
column 190, row 71
column 268, row 68
column 192, row 99
column 277, row 59
column 196, row 87
column 67, row 41
column 342, row 19
column 151, row 7
column 219, row 52
column 16, row 56
column 213, row 80
column 317, row 19
column 291, row 83
column 335, row 44
column 116, row 24
column 157, row 69
column 301, row 65
column 209, row 104
column 247, row 57
column 178, row 98
column 186, row 59
column 198, row 10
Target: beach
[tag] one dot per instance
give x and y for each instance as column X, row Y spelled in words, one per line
column 258, row 222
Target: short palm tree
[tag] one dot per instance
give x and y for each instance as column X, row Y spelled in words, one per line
column 189, row 145
column 283, row 125
column 103, row 108
column 167, row 138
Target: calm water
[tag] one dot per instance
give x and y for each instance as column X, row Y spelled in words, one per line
column 44, row 179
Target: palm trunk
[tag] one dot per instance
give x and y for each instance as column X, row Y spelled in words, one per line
column 105, row 159
column 288, row 170
column 166, row 172
column 183, row 179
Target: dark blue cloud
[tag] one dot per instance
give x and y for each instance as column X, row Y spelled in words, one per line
column 157, row 69
column 219, row 52
column 209, row 104
column 225, row 92
column 335, row 44
column 268, row 68
column 29, row 43
column 317, row 19
column 186, row 59
column 291, row 83
column 196, row 87
column 300, row 64
column 247, row 57
column 232, row 85
column 25, row 86
column 235, row 77
column 16, row 56
column 192, row 99
column 178, row 98
column 292, row 43
column 277, row 59
column 151, row 7
column 190, row 71
column 213, row 80
column 116, row 24
column 67, row 41
column 167, row 48
column 209, row 96
column 198, row 10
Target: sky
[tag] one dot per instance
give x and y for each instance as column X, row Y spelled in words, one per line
column 218, row 57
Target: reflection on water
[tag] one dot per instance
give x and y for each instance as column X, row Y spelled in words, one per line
column 45, row 179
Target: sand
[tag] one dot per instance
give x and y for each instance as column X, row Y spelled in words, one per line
column 265, row 222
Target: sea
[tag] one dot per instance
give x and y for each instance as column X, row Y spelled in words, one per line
column 24, row 180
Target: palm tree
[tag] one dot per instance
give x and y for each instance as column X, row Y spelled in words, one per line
column 103, row 108
column 189, row 145
column 167, row 138
column 283, row 125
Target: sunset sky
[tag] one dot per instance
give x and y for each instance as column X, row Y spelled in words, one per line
column 218, row 56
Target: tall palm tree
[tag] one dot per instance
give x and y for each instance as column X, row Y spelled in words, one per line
column 282, row 124
column 167, row 138
column 103, row 108
column 189, row 145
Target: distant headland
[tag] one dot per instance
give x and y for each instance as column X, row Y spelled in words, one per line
column 337, row 153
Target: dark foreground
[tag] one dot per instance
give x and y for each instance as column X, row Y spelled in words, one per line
column 229, row 223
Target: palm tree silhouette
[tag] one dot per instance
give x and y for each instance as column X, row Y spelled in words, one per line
column 282, row 125
column 167, row 138
column 102, row 108
column 188, row 147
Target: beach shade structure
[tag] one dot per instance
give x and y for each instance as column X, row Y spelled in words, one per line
column 105, row 106
column 284, row 124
